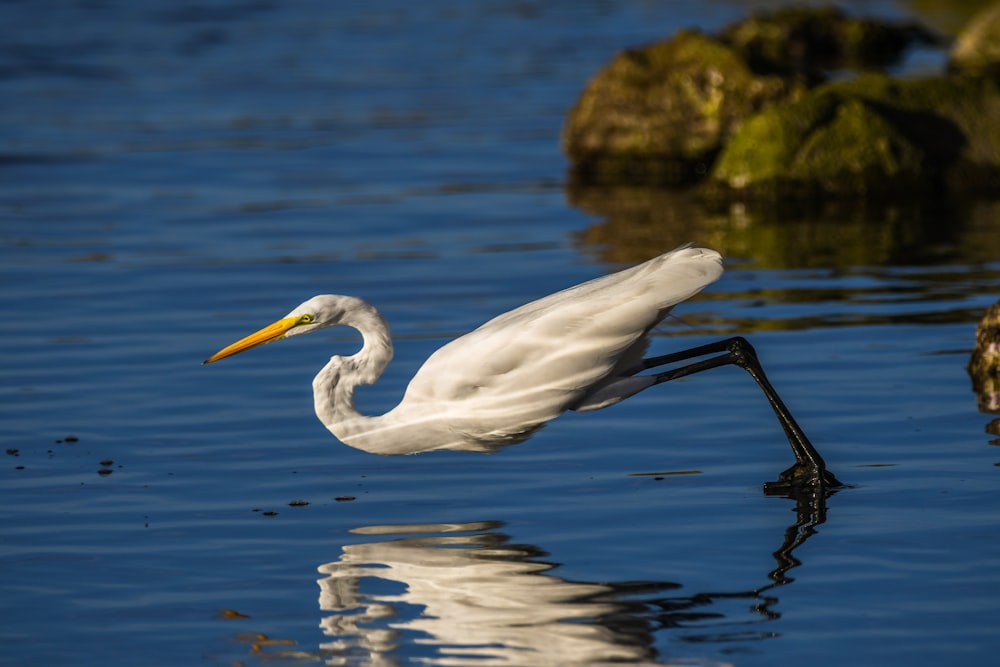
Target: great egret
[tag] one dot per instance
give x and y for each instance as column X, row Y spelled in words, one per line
column 579, row 349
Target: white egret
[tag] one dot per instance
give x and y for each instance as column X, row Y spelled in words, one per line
column 579, row 349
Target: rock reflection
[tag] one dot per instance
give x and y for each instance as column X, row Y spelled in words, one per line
column 832, row 233
column 464, row 593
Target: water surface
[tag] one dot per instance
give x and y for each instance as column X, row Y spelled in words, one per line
column 176, row 175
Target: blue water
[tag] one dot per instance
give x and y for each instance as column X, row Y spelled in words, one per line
column 175, row 175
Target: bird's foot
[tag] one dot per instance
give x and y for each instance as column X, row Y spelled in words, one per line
column 803, row 477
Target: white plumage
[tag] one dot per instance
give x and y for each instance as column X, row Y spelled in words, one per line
column 577, row 349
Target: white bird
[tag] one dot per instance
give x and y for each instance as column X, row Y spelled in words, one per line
column 579, row 349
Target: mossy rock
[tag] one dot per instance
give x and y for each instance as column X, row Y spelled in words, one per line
column 826, row 143
column 744, row 110
column 871, row 135
column 984, row 364
column 823, row 38
column 977, row 48
column 660, row 114
column 955, row 119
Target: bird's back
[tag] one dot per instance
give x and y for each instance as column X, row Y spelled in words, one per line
column 532, row 363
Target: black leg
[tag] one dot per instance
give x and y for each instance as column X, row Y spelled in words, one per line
column 809, row 470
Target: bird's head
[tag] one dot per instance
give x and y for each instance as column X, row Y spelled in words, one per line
column 319, row 312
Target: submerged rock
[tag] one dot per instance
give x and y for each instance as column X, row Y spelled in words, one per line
column 984, row 365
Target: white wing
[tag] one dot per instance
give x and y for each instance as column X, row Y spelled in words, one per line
column 548, row 354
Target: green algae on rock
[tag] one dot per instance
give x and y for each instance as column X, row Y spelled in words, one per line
column 872, row 135
column 660, row 114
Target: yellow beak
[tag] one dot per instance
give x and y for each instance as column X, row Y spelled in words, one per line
column 269, row 333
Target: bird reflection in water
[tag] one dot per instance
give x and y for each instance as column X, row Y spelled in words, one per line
column 464, row 594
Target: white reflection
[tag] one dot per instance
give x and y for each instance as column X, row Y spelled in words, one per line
column 477, row 600
column 462, row 594
column 459, row 594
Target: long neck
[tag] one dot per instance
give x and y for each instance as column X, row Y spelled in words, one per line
column 333, row 386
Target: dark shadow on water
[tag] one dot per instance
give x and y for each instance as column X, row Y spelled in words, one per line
column 464, row 593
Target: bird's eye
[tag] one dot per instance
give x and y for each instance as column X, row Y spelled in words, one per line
column 306, row 319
